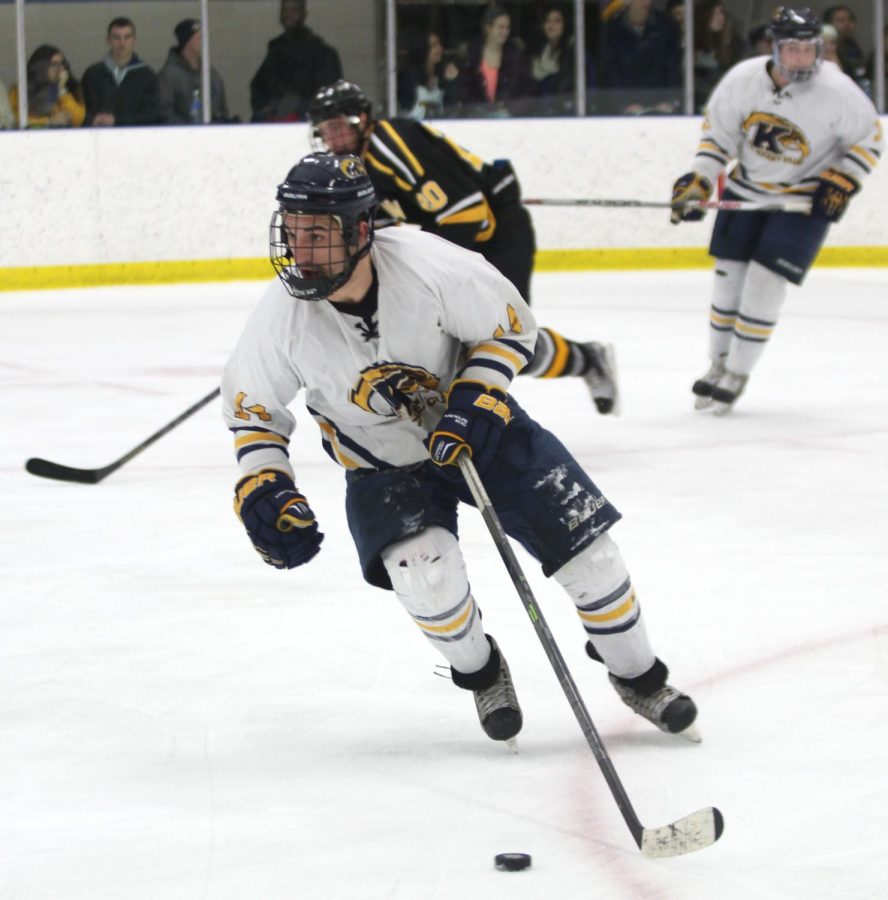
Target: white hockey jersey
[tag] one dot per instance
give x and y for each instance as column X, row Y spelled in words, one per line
column 783, row 138
column 443, row 312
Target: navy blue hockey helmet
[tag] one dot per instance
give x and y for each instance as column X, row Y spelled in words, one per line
column 315, row 237
column 796, row 24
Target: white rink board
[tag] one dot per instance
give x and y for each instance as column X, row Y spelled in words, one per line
column 144, row 195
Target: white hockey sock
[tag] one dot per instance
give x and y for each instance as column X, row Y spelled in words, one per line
column 760, row 305
column 429, row 577
column 599, row 585
column 727, row 290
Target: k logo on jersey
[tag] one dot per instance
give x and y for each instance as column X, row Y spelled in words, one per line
column 776, row 138
column 388, row 389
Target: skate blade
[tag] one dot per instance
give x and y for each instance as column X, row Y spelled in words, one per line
column 721, row 409
column 691, row 733
column 702, row 403
column 512, row 744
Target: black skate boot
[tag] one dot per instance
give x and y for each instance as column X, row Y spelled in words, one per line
column 650, row 696
column 727, row 391
column 601, row 377
column 703, row 387
column 495, row 699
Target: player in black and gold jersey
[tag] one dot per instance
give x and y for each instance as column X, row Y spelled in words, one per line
column 423, row 177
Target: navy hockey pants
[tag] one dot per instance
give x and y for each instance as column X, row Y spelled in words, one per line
column 543, row 498
column 785, row 243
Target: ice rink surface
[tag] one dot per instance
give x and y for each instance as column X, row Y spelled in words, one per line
column 178, row 720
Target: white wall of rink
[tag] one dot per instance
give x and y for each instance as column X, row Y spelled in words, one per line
column 96, row 196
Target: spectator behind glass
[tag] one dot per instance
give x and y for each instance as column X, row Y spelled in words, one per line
column 759, row 39
column 717, row 47
column 496, row 72
column 851, row 57
column 180, row 80
column 642, row 60
column 427, row 85
column 121, row 89
column 298, row 64
column 676, row 10
column 553, row 65
column 55, row 99
column 831, row 44
column 871, row 65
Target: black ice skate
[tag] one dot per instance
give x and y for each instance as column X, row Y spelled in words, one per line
column 601, row 377
column 703, row 387
column 495, row 698
column 650, row 696
column 727, row 391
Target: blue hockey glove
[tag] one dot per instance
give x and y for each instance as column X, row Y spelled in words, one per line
column 832, row 195
column 278, row 519
column 687, row 189
column 475, row 417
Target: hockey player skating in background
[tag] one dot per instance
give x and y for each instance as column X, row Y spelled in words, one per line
column 405, row 346
column 796, row 125
column 423, row 177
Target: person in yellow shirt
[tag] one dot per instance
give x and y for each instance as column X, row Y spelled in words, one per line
column 55, row 99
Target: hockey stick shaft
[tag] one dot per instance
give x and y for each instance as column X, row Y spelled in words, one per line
column 775, row 205
column 46, row 469
column 693, row 832
column 565, row 679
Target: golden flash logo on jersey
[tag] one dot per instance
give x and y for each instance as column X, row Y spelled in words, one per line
column 776, row 138
column 395, row 388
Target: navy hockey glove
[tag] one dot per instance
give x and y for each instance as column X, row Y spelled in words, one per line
column 832, row 195
column 278, row 519
column 475, row 417
column 688, row 189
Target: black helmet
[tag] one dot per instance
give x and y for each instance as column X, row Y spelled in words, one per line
column 322, row 184
column 342, row 98
column 798, row 24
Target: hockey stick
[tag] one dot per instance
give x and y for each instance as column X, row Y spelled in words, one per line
column 46, row 469
column 774, row 205
column 693, row 832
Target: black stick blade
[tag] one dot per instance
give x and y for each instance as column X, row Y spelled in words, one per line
column 46, row 469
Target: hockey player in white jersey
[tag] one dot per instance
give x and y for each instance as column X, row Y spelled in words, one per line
column 405, row 346
column 795, row 126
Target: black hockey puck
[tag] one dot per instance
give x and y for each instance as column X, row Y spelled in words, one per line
column 512, row 862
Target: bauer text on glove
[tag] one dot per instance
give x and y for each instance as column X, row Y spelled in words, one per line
column 475, row 417
column 277, row 518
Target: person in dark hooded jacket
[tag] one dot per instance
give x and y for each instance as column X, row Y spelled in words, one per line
column 180, row 80
column 121, row 89
column 298, row 64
